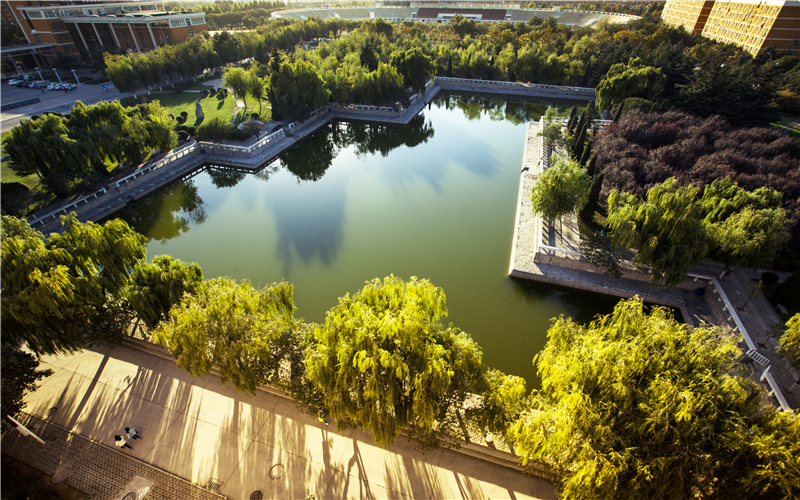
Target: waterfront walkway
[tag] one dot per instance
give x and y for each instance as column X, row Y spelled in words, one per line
column 552, row 255
column 201, row 432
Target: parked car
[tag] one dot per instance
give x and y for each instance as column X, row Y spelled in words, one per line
column 69, row 86
column 15, row 81
column 54, row 86
column 22, row 83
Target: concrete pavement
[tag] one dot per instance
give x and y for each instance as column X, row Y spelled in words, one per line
column 202, row 431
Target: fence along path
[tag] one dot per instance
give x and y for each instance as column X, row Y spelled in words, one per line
column 178, row 162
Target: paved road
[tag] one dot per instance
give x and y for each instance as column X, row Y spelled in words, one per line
column 200, row 430
column 52, row 100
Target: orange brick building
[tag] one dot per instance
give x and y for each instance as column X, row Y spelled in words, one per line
column 82, row 28
column 754, row 25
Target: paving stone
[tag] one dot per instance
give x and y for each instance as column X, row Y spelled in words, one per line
column 96, row 468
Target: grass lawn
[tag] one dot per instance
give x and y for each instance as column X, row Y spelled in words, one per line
column 185, row 101
column 198, row 83
column 8, row 175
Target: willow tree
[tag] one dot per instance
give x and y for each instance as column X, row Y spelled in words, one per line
column 560, row 190
column 383, row 362
column 239, row 330
column 745, row 228
column 666, row 229
column 790, row 341
column 60, row 295
column 637, row 405
column 632, row 80
column 156, row 287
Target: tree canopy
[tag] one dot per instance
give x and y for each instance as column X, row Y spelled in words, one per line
column 790, row 341
column 156, row 287
column 645, row 149
column 233, row 327
column 382, row 361
column 61, row 294
column 631, row 80
column 561, row 189
column 637, row 405
column 745, row 228
column 296, row 90
column 666, row 228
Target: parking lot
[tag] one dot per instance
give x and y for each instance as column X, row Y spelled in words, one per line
column 50, row 100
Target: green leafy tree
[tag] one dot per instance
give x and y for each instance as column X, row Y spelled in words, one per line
column 20, row 375
column 230, row 326
column 239, row 82
column 296, row 90
column 59, row 295
column 790, row 341
column 632, row 80
column 552, row 135
column 745, row 228
column 215, row 130
column 505, row 398
column 561, row 189
column 415, row 67
column 666, row 229
column 637, row 405
column 156, row 287
column 383, row 362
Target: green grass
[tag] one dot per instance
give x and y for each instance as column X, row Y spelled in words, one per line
column 265, row 116
column 175, row 103
column 198, row 83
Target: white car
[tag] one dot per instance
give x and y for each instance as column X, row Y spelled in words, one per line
column 15, row 81
column 54, row 86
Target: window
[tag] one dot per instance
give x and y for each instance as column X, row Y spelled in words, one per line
column 36, row 36
column 191, row 31
column 68, row 48
column 160, row 39
column 169, row 39
column 62, row 37
column 795, row 43
column 57, row 26
column 125, row 37
column 144, row 42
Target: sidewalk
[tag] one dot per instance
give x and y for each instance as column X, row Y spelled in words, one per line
column 201, row 431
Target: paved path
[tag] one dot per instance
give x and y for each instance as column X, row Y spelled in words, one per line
column 200, row 430
column 99, row 470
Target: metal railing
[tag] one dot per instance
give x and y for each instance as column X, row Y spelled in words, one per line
column 175, row 155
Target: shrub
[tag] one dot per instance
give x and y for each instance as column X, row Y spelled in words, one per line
column 212, row 91
column 768, row 278
column 203, row 94
column 183, row 135
column 180, row 119
column 183, row 128
column 178, row 88
column 192, row 131
column 185, row 115
column 254, row 116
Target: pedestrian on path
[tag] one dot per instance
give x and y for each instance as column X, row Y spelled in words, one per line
column 725, row 273
column 321, row 415
column 122, row 443
column 132, row 433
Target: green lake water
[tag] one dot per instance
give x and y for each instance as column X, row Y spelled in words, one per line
column 435, row 199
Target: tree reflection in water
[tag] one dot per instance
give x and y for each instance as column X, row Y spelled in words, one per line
column 167, row 213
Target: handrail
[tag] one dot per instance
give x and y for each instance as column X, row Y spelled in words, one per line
column 776, row 390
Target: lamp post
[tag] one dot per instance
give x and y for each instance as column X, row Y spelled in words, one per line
column 20, row 71
column 40, row 74
column 76, row 78
column 59, row 78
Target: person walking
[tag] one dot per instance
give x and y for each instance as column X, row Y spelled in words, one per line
column 321, row 415
column 122, row 443
column 132, row 433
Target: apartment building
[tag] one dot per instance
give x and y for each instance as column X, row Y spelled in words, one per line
column 80, row 28
column 754, row 25
column 691, row 14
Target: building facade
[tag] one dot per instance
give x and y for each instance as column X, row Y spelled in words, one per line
column 691, row 14
column 85, row 28
column 753, row 25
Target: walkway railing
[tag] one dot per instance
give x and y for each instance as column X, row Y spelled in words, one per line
column 65, row 209
column 175, row 155
column 582, row 92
